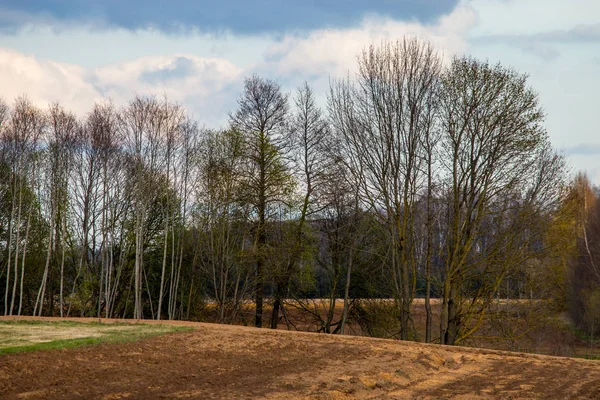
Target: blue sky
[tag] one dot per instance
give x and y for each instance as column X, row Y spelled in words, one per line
column 242, row 17
column 198, row 52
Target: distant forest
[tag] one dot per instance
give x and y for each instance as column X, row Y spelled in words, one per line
column 419, row 178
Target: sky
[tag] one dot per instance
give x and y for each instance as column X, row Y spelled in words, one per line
column 198, row 52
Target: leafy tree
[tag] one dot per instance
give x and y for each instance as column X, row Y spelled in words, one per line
column 262, row 120
column 492, row 137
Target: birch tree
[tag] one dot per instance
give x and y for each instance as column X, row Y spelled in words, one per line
column 22, row 137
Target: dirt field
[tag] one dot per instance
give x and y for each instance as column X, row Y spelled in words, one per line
column 233, row 362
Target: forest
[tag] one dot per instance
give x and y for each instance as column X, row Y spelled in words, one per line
column 416, row 178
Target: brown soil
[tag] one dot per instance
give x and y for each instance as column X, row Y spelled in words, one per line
column 233, row 362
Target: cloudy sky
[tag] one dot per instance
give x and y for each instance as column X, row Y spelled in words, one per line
column 197, row 51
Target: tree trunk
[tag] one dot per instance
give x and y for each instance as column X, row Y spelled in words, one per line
column 346, row 296
column 14, row 291
column 164, row 268
column 23, row 259
column 11, row 223
column 260, row 293
column 451, row 333
column 275, row 312
column 62, row 263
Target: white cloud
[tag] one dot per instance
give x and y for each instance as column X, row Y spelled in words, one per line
column 204, row 76
column 45, row 81
column 208, row 84
column 199, row 87
column 334, row 51
column 78, row 65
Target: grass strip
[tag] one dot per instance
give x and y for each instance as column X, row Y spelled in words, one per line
column 117, row 332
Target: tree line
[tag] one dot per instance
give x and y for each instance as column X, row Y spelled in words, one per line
column 416, row 179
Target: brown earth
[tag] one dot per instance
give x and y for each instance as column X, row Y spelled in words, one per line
column 234, row 362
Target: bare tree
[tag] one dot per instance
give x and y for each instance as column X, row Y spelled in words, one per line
column 135, row 125
column 21, row 138
column 64, row 133
column 383, row 119
column 102, row 138
column 170, row 123
column 183, row 176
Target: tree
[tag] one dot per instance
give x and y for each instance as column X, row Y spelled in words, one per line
column 262, row 120
column 139, row 123
column 221, row 220
column 309, row 140
column 102, row 138
column 20, row 141
column 491, row 138
column 584, row 275
column 63, row 136
column 383, row 120
column 170, row 119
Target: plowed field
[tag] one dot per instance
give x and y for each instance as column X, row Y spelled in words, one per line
column 233, row 362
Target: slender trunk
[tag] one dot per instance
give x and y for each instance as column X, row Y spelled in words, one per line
column 177, row 278
column 259, row 282
column 346, row 295
column 164, row 263
column 104, row 284
column 137, row 314
column 23, row 259
column 14, row 291
column 109, row 290
column 164, row 268
column 405, row 302
column 107, row 251
column 175, row 270
column 62, row 264
column 260, row 293
column 331, row 309
column 101, row 285
column 8, row 264
column 11, row 223
column 187, row 316
column 148, row 291
column 42, row 290
column 174, row 264
column 444, row 312
column 170, row 304
column 428, row 313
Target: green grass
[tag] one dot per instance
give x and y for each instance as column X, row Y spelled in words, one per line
column 590, row 357
column 21, row 336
